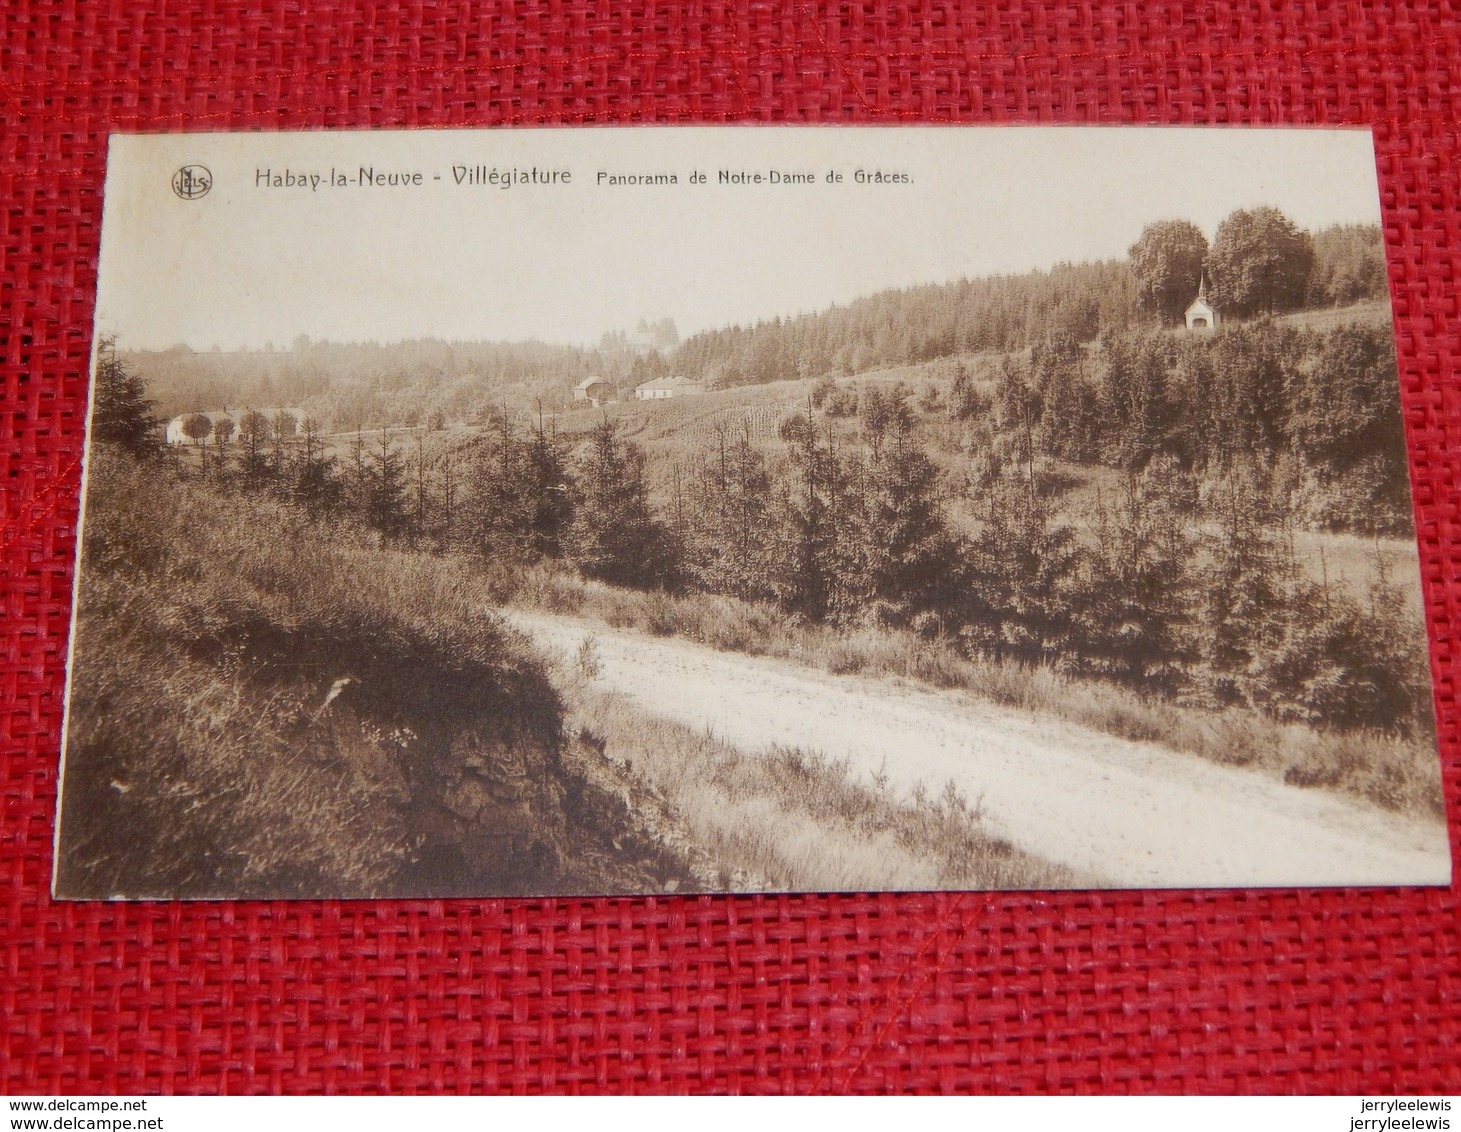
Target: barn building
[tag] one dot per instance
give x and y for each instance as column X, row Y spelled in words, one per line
column 594, row 389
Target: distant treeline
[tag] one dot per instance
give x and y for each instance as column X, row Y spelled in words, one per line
column 368, row 385
column 346, row 386
column 907, row 327
column 1340, row 265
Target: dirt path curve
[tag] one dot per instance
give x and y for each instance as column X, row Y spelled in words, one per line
column 1133, row 814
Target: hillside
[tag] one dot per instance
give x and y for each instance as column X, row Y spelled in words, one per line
column 316, row 718
column 348, row 386
column 262, row 706
column 1156, row 537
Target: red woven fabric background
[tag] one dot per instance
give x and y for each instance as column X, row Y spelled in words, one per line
column 1353, row 991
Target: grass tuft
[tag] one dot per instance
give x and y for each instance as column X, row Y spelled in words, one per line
column 789, row 818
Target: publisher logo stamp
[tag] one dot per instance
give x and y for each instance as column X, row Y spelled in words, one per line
column 192, row 182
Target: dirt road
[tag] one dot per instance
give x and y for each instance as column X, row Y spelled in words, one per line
column 1133, row 814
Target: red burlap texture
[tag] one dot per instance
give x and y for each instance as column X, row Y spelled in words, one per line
column 1352, row 991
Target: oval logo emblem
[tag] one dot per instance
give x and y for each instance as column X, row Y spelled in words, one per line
column 192, row 181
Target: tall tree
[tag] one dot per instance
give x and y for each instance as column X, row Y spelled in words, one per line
column 254, row 459
column 812, row 520
column 1259, row 264
column 1141, row 584
column 548, row 481
column 313, row 481
column 379, row 486
column 1244, row 585
column 1349, row 265
column 1018, row 409
column 121, row 411
column 1167, row 261
column 519, row 503
column 729, row 539
column 198, row 428
column 1024, row 601
column 1069, row 418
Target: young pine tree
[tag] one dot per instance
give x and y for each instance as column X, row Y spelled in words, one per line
column 728, row 540
column 1244, row 590
column 1025, row 572
column 121, row 412
column 1141, row 582
column 909, row 558
column 256, row 468
column 312, row 473
column 519, row 503
column 614, row 535
column 384, row 490
column 816, row 540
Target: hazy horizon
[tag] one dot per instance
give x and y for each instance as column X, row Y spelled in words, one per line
column 630, row 331
column 563, row 265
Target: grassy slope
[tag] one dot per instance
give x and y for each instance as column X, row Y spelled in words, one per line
column 1372, row 312
column 260, row 707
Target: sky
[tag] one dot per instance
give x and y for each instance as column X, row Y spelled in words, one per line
column 254, row 262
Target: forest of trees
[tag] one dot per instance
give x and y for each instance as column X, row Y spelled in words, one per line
column 1259, row 263
column 909, row 327
column 349, row 386
column 1319, row 411
column 1185, row 580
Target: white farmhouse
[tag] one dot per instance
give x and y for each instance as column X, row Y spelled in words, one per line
column 662, row 387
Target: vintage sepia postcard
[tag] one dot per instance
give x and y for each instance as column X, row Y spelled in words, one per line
column 745, row 509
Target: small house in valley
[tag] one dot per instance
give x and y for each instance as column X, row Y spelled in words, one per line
column 594, row 389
